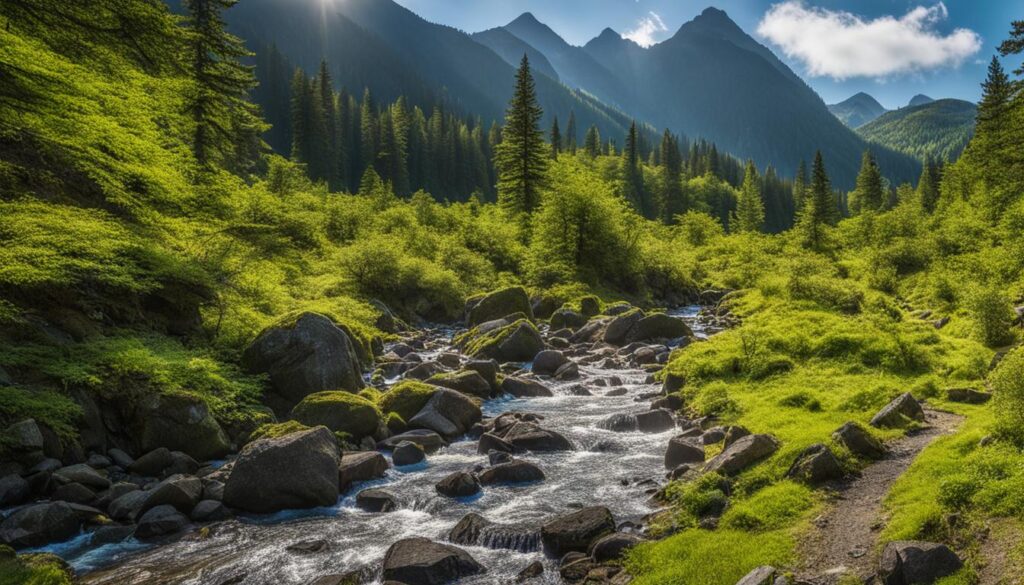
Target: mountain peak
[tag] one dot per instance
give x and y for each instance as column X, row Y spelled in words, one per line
column 920, row 100
column 525, row 19
column 609, row 33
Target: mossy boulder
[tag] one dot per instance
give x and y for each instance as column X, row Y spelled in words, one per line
column 340, row 411
column 466, row 381
column 590, row 306
column 498, row 304
column 304, row 355
column 275, row 430
column 659, row 326
column 180, row 422
column 518, row 341
column 567, row 318
column 406, row 398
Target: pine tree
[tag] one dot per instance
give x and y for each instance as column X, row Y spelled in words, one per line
column 673, row 201
column 368, row 134
column 399, row 170
column 328, row 159
column 819, row 207
column 997, row 90
column 749, row 215
column 800, row 186
column 632, row 177
column 522, row 159
column 570, row 134
column 221, row 81
column 592, row 142
column 1015, row 44
column 928, row 185
column 870, row 190
column 556, row 139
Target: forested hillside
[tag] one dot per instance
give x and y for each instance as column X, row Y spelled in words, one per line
column 857, row 110
column 935, row 130
column 208, row 344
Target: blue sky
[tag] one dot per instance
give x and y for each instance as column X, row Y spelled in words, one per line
column 892, row 49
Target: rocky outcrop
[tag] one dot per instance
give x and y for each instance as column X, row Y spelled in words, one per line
column 909, row 562
column 308, row 355
column 576, row 531
column 341, row 412
column 297, row 470
column 498, row 304
column 419, row 561
column 745, row 452
column 180, row 422
column 897, row 413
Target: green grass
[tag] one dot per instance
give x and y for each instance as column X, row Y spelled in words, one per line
column 700, row 557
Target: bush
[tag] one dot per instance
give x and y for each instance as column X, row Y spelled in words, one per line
column 992, row 314
column 1007, row 382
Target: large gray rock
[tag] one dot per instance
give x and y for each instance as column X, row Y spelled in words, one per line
column 40, row 524
column 181, row 492
column 745, row 452
column 470, row 382
column 408, row 453
column 310, row 355
column 512, row 472
column 896, row 413
column 447, row 413
column 567, row 318
column 24, row 436
column 459, row 484
column 528, row 436
column 210, row 511
column 617, row 332
column 576, row 531
column 418, row 561
column 13, row 490
column 429, row 440
column 126, row 507
column 655, row 421
column 548, row 361
column 153, row 463
column 816, row 464
column 297, row 470
column 658, row 326
column 524, row 387
column 508, row 342
column 908, row 562
column 181, row 423
column 613, row 546
column 83, row 474
column 377, row 500
column 498, row 304
column 160, row 521
column 683, row 450
column 859, row 441
column 968, row 395
column 763, row 575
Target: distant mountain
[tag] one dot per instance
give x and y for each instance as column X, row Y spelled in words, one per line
column 938, row 129
column 920, row 100
column 857, row 110
column 511, row 48
column 711, row 80
column 380, row 45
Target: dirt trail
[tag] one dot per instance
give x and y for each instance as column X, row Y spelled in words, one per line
column 844, row 537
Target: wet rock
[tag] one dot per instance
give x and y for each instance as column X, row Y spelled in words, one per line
column 548, row 361
column 568, row 371
column 896, row 413
column 613, row 546
column 859, row 441
column 448, row 413
column 490, row 442
column 683, row 450
column 309, row 547
column 566, row 318
column 618, row 329
column 180, row 422
column 498, row 457
column 763, row 575
column 498, row 304
column 419, row 561
column 153, row 463
column 672, row 402
column 126, row 507
column 424, row 371
column 524, row 387
column 75, row 493
column 619, row 423
column 745, row 452
column 515, row 342
column 967, row 396
column 594, row 330
column 309, row 355
column 512, row 472
column 339, row 411
column 655, row 421
column 579, row 390
column 13, row 490
column 815, row 465
column 407, row 453
column 527, row 436
column 576, row 571
column 429, row 440
column 377, row 500
column 40, row 524
column 297, row 470
column 617, row 392
column 210, row 511
column 160, row 521
column 458, row 485
column 488, row 370
column 468, row 382
column 912, row 562
column 659, row 326
column 576, row 531
column 213, row 489
column 467, row 531
column 357, row 466
column 182, row 492
column 111, row 534
column 532, row 571
column 83, row 474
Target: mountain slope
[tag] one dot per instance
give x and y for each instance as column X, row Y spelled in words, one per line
column 938, row 129
column 857, row 110
column 511, row 48
column 920, row 100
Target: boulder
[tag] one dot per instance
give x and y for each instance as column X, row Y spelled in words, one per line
column 859, row 441
column 83, row 474
column 419, row 561
column 111, row 534
column 524, row 387
column 24, row 436
column 153, row 463
column 655, row 421
column 458, row 485
column 182, row 492
column 896, row 413
column 733, row 434
column 567, row 371
column 490, row 442
column 342, row 412
column 815, row 464
column 908, row 562
column 532, row 571
column 40, row 524
column 74, row 493
column 488, row 370
column 160, row 521
column 528, row 436
column 297, row 470
column 126, row 507
column 513, row 342
column 548, row 361
column 210, row 511
column 576, row 531
column 182, row 463
column 745, row 452
column 498, row 304
column 307, row 355
column 448, row 413
column 967, row 396
column 180, row 422
column 429, row 440
column 407, row 453
column 658, row 326
column 683, row 450
column 13, row 490
column 763, row 575
column 618, row 329
column 468, row 530
column 469, row 382
column 613, row 546
column 377, row 500
column 356, row 466
column 566, row 318
column 512, row 472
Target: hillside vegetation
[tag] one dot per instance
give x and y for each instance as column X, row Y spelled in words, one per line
column 936, row 130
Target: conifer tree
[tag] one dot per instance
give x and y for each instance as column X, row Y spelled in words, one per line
column 328, row 158
column 997, row 89
column 368, row 134
column 1015, row 44
column 819, row 206
column 522, row 160
column 556, row 139
column 570, row 134
column 749, row 214
column 800, row 186
column 672, row 162
column 870, row 190
column 928, row 185
column 592, row 142
column 221, row 81
column 633, row 181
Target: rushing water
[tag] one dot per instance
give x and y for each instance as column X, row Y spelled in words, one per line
column 606, row 469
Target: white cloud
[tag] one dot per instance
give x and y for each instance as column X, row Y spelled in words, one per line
column 646, row 29
column 840, row 44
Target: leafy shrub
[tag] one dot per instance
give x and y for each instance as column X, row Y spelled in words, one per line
column 992, row 314
column 1007, row 382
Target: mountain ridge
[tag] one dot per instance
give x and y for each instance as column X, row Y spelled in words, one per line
column 858, row 109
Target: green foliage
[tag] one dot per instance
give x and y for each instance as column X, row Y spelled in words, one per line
column 1007, row 382
column 275, row 430
column 32, row 569
column 774, row 507
column 522, row 160
column 749, row 215
column 693, row 500
column 701, row 557
column 940, row 129
column 992, row 314
column 406, row 398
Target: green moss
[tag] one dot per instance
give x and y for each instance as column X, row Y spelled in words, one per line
column 53, row 409
column 406, row 398
column 275, row 430
column 342, row 412
column 32, row 569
